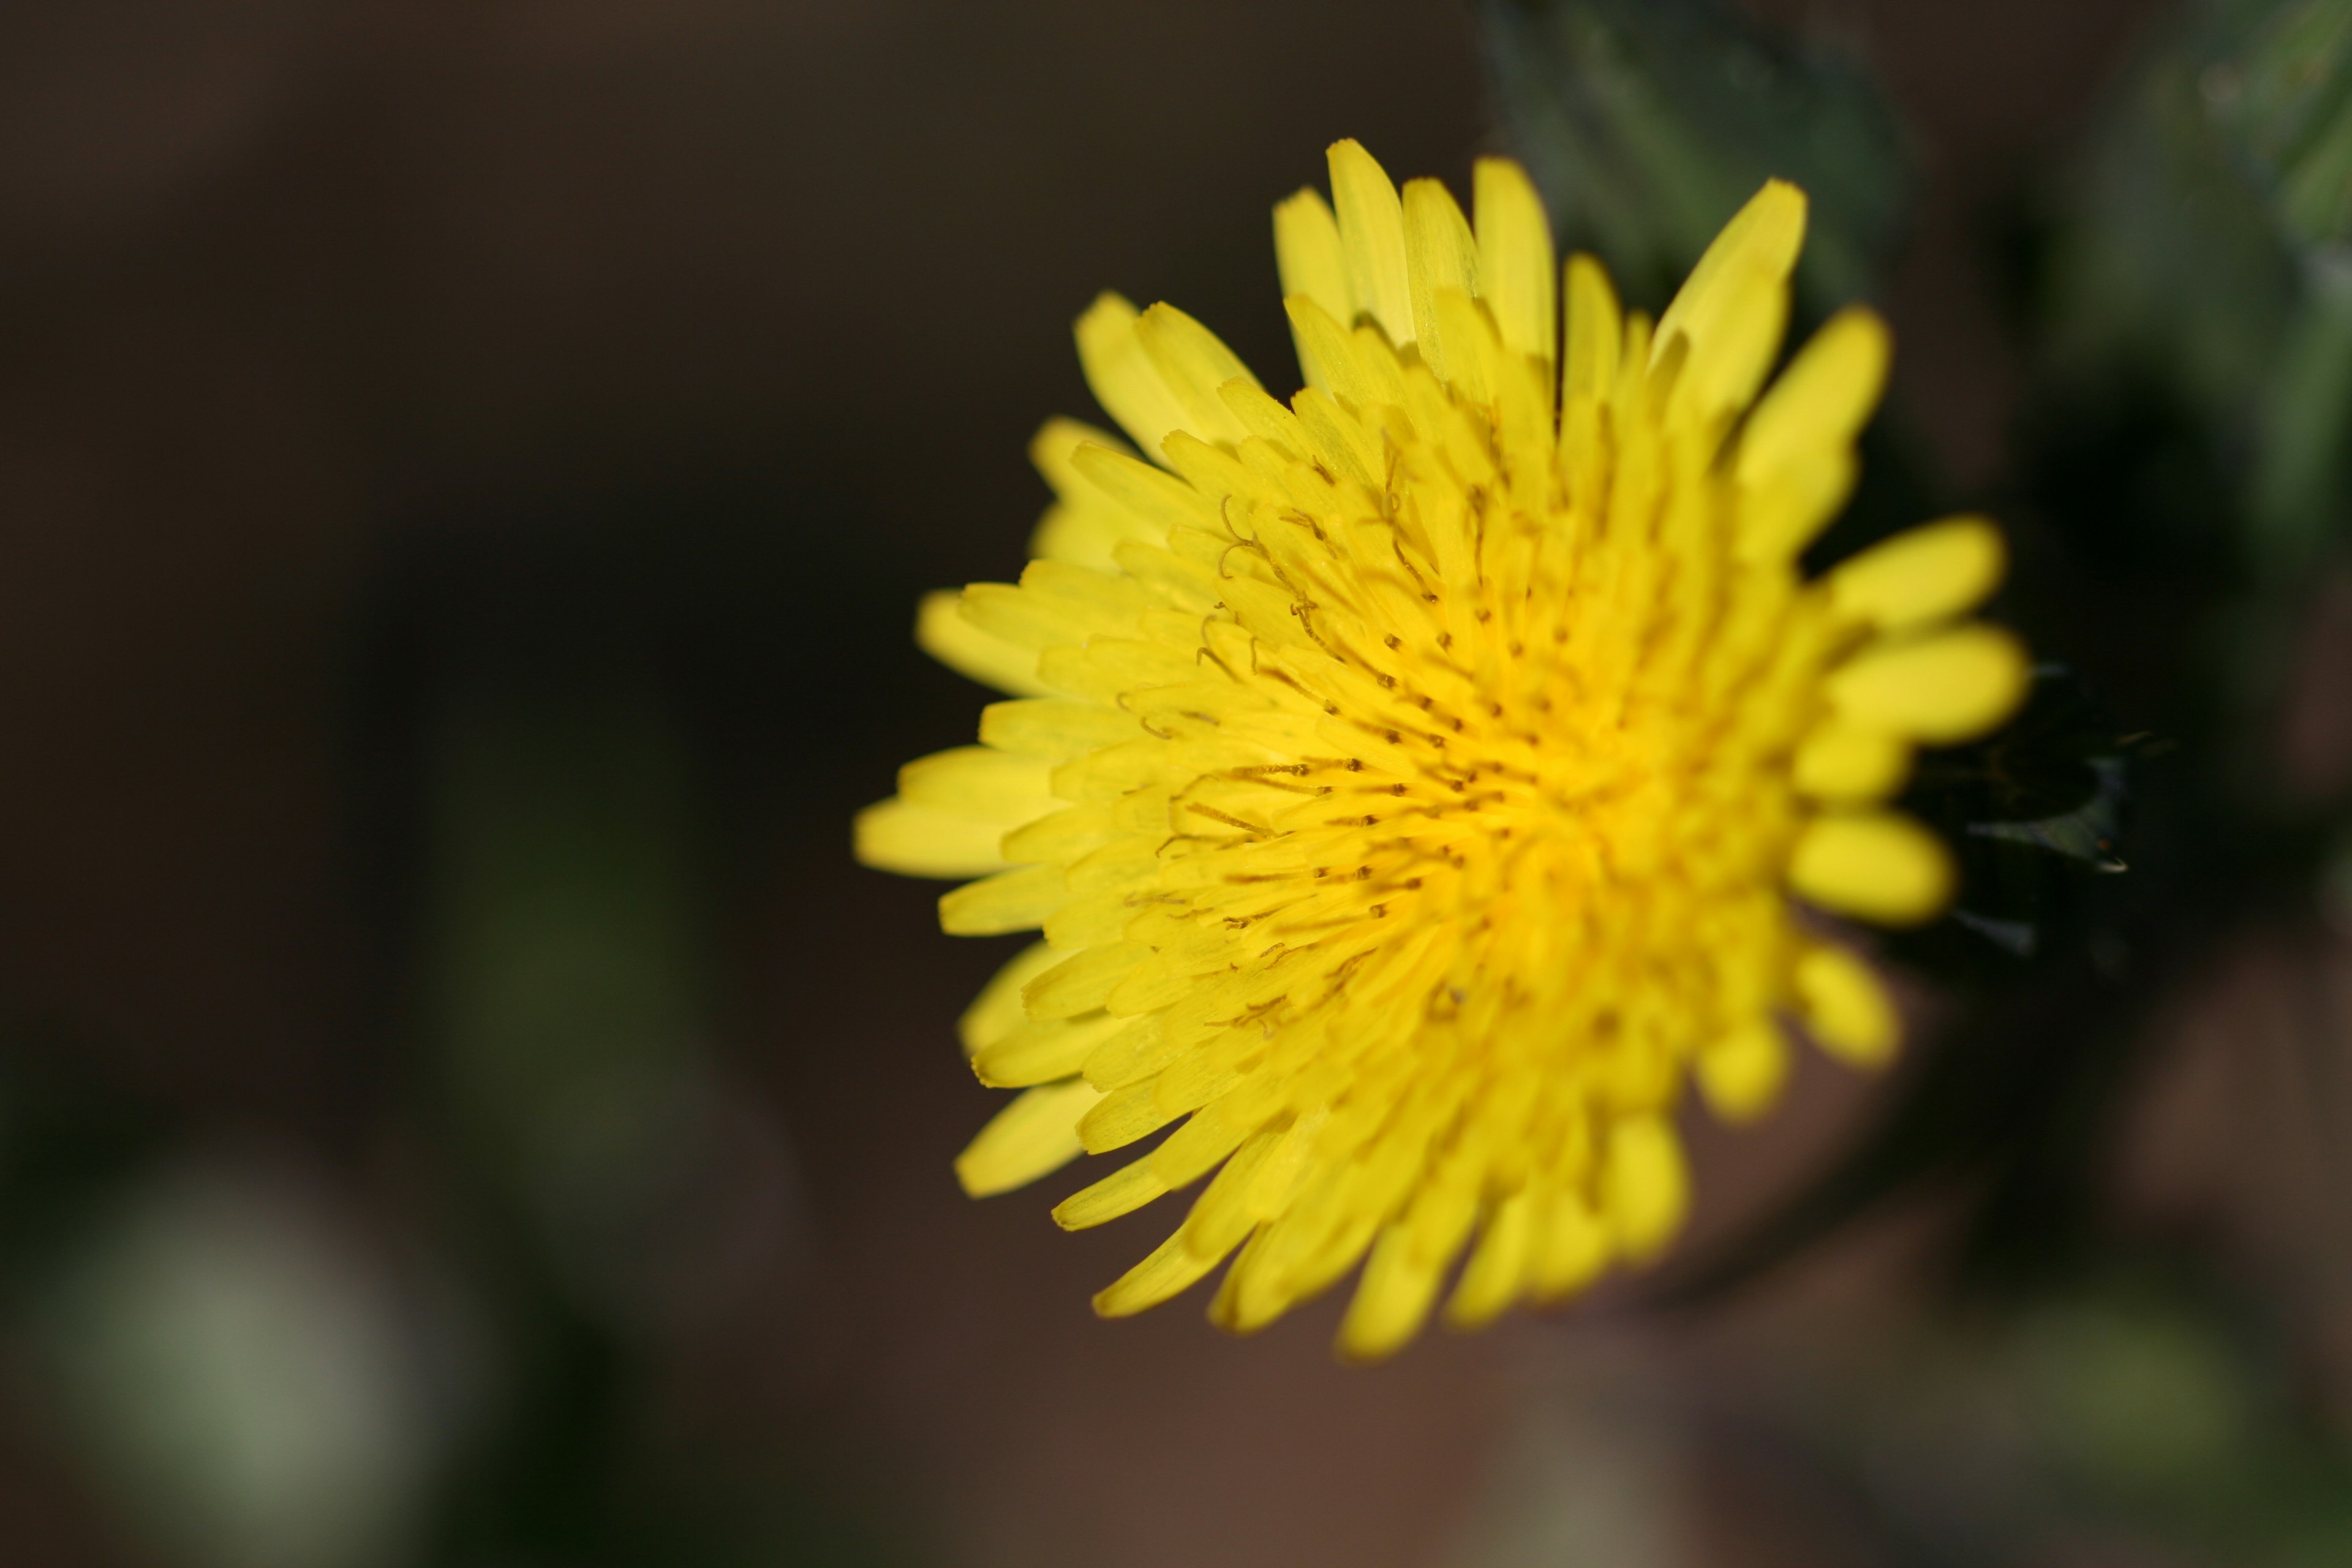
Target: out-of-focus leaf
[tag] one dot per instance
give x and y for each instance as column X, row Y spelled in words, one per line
column 2169, row 260
column 2299, row 464
column 2087, row 834
column 1648, row 122
column 70, row 1143
column 2275, row 80
column 2208, row 244
column 2031, row 811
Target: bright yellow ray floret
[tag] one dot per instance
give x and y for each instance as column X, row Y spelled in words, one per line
column 1416, row 782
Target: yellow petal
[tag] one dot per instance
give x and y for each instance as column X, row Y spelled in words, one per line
column 1927, row 574
column 1094, row 919
column 1106, row 603
column 1083, row 525
column 1779, row 515
column 1571, row 1247
column 1051, row 727
column 1122, row 376
column 1372, row 234
column 1377, row 364
column 1645, row 1185
column 1158, row 499
column 1312, row 264
column 1497, row 1270
column 997, row 1010
column 1742, row 1074
column 1247, row 1298
column 1340, row 438
column 1515, row 259
column 1393, row 1299
column 980, row 783
column 1845, row 1007
column 1732, row 343
column 1223, row 1213
column 1193, row 363
column 1439, row 254
column 1089, row 536
column 1134, row 1053
column 1878, row 866
column 1021, row 619
column 1325, row 350
column 1173, row 1268
column 1759, row 244
column 1008, row 901
column 941, row 631
column 1215, row 472
column 913, row 840
column 1041, row 1050
column 1951, row 687
column 1122, row 1192
column 1596, row 330
column 1851, row 764
column 1122, row 1117
column 1057, row 442
column 1266, row 419
column 1824, row 398
column 1083, row 982
column 1113, row 773
column 1798, row 438
column 1472, row 355
column 1174, row 581
column 1034, row 1136
column 1060, row 835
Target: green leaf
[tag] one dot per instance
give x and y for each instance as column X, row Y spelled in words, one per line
column 1648, row 122
column 2277, row 81
column 2208, row 243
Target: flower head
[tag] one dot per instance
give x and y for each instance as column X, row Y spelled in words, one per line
column 1417, row 781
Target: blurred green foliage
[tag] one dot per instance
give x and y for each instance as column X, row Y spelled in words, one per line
column 1648, row 122
column 2205, row 244
column 609, row 1181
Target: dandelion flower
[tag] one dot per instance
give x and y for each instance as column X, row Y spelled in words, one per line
column 1418, row 781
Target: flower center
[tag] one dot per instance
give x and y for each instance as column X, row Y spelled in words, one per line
column 1510, row 790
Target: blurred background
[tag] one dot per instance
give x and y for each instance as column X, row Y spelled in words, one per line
column 466, row 474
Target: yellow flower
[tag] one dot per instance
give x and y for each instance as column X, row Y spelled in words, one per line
column 1414, row 782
